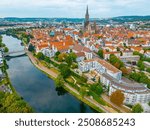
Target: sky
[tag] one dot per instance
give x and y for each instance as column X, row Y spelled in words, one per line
column 73, row 8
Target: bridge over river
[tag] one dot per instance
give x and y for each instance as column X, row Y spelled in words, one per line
column 17, row 53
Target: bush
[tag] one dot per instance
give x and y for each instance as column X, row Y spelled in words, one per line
column 78, row 76
column 137, row 108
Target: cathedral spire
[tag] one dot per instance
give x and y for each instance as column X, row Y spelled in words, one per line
column 87, row 10
column 86, row 22
column 87, row 14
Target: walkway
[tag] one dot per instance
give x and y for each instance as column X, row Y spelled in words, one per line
column 122, row 109
column 36, row 62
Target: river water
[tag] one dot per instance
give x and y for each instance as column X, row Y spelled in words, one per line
column 36, row 88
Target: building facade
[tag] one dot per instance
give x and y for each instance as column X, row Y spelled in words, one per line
column 133, row 92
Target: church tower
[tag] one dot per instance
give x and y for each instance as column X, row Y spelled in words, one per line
column 86, row 22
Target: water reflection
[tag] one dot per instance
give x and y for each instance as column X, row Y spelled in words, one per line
column 61, row 91
column 36, row 88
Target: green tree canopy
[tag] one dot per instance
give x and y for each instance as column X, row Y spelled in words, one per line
column 40, row 56
column 140, row 77
column 6, row 49
column 57, row 54
column 65, row 70
column 141, row 65
column 100, row 53
column 31, row 48
column 97, row 88
column 12, row 103
column 137, row 108
column 69, row 60
column 114, row 60
column 59, row 81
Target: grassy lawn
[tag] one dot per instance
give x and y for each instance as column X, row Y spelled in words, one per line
column 84, row 100
column 79, row 81
column 70, row 79
column 55, row 70
column 4, row 81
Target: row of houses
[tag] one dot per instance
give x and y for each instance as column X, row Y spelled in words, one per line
column 133, row 92
column 66, row 40
column 111, row 77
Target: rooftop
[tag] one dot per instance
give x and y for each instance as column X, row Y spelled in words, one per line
column 126, row 84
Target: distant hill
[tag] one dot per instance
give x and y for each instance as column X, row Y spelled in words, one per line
column 120, row 19
column 131, row 18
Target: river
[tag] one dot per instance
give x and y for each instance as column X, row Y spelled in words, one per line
column 36, row 88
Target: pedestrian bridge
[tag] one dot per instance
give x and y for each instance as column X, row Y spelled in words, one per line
column 17, row 53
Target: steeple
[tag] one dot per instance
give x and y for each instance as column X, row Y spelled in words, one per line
column 87, row 14
column 87, row 10
column 87, row 21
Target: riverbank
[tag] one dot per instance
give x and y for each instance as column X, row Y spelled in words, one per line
column 10, row 100
column 36, row 88
column 89, row 101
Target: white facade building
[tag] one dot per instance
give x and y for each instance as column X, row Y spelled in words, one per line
column 134, row 92
column 101, row 66
column 111, row 77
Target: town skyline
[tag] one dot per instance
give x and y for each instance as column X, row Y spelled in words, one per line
column 59, row 8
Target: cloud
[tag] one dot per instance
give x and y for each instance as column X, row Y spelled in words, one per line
column 73, row 8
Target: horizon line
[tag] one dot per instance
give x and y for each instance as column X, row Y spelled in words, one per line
column 77, row 17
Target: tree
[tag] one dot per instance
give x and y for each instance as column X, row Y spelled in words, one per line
column 31, row 48
column 83, row 91
column 148, row 70
column 124, row 70
column 117, row 97
column 149, row 103
column 142, row 57
column 69, row 60
column 81, row 32
column 117, row 65
column 118, row 49
column 19, row 107
column 59, row 81
column 114, row 60
column 100, row 53
column 47, row 59
column 141, row 65
column 97, row 88
column 137, row 108
column 6, row 49
column 99, row 37
column 57, row 54
column 40, row 56
column 73, row 56
column 140, row 77
column 124, row 44
column 0, row 39
column 62, row 57
column 12, row 103
column 2, row 45
column 64, row 70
